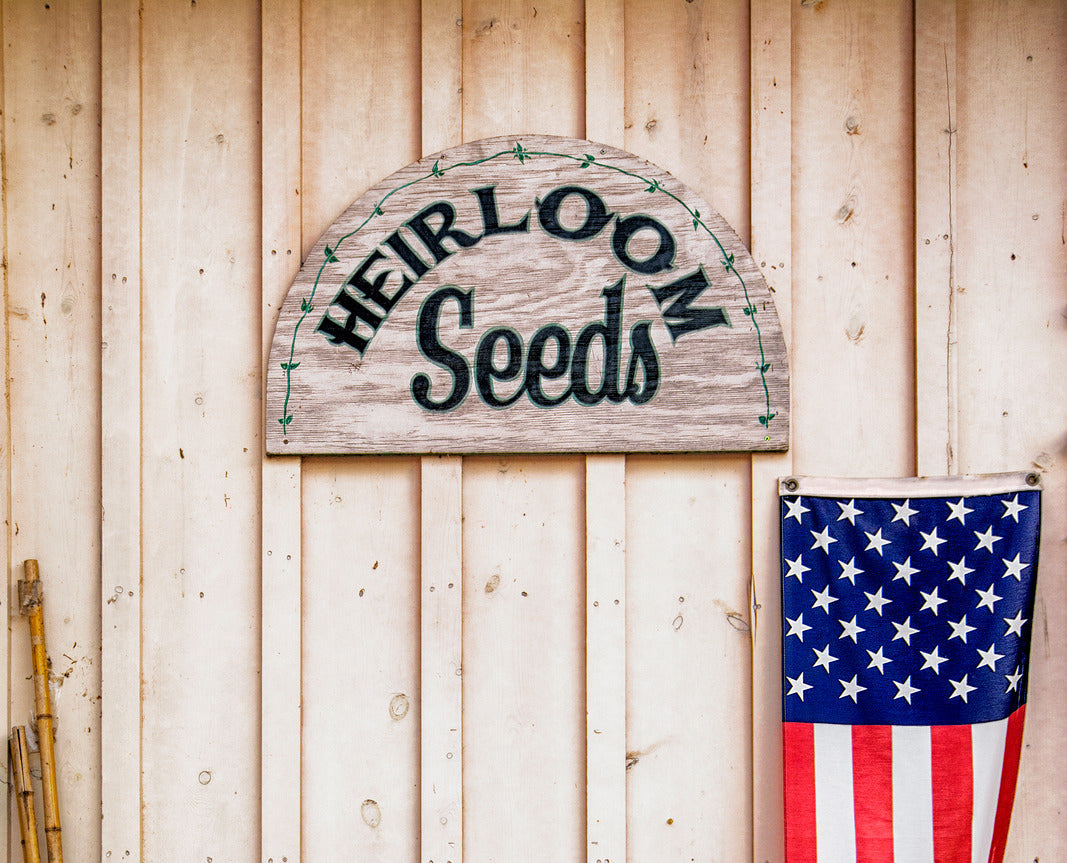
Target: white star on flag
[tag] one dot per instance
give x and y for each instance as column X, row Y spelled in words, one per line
column 796, row 509
column 1015, row 624
column 904, row 512
column 823, row 599
column 878, row 659
column 850, row 570
column 933, row 660
column 851, row 688
column 904, row 631
column 904, row 570
column 932, row 541
column 960, row 570
column 988, row 597
column 851, row 629
column 960, row 629
column 797, row 568
column 1013, row 508
column 1014, row 568
column 989, row 657
column 798, row 627
column 905, row 690
column 849, row 511
column 876, row 601
column 958, row 510
column 822, row 539
column 933, row 601
column 986, row 540
column 798, row 686
column 960, row 688
column 876, row 541
column 824, row 657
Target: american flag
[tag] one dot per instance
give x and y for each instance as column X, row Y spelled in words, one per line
column 907, row 609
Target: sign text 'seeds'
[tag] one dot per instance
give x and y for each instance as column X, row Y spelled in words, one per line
column 525, row 295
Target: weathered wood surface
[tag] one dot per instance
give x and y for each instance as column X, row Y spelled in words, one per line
column 568, row 236
column 827, row 133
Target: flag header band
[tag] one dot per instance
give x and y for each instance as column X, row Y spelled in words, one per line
column 911, row 487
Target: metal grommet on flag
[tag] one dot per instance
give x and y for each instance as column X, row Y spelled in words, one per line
column 907, row 608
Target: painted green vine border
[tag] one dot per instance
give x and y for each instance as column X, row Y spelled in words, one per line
column 522, row 155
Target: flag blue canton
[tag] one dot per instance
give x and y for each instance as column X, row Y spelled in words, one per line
column 907, row 611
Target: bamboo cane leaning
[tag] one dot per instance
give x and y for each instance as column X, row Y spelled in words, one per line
column 20, row 773
column 31, row 603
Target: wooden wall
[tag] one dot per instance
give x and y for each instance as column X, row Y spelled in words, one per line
column 899, row 173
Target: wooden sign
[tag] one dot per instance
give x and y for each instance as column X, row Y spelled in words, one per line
column 528, row 294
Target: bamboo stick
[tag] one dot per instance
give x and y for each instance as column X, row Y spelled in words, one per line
column 20, row 773
column 31, row 601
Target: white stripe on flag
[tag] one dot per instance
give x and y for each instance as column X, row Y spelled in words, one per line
column 913, row 803
column 987, row 752
column 834, row 806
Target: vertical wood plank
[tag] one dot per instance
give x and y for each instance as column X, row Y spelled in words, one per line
column 441, row 596
column 605, row 505
column 688, row 521
column 202, row 438
column 1012, row 172
column 280, row 743
column 360, row 658
column 441, row 711
column 605, row 72
column 853, row 264
column 523, row 68
column 120, row 399
column 605, row 658
column 524, row 627
column 6, row 534
column 687, row 86
column 442, row 74
column 771, row 52
column 361, row 670
column 51, row 78
column 936, row 360
column 688, row 669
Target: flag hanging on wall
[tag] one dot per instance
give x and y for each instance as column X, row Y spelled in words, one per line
column 907, row 609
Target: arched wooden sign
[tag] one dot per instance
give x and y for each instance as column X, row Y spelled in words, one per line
column 528, row 294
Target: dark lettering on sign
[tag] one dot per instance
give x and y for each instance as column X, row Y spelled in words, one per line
column 596, row 214
column 680, row 317
column 663, row 257
column 431, row 347
column 499, row 358
column 503, row 369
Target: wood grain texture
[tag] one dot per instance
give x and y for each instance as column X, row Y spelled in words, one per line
column 771, row 61
column 441, row 652
column 360, row 674
column 853, row 235
column 51, row 83
column 1012, row 153
column 713, row 391
column 202, row 343
column 687, row 96
column 361, row 671
column 605, row 657
column 524, row 720
column 120, row 455
column 280, row 553
column 441, row 564
column 937, row 294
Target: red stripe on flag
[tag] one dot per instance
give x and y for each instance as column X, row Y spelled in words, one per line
column 952, row 776
column 872, row 783
column 1013, row 745
column 798, row 746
